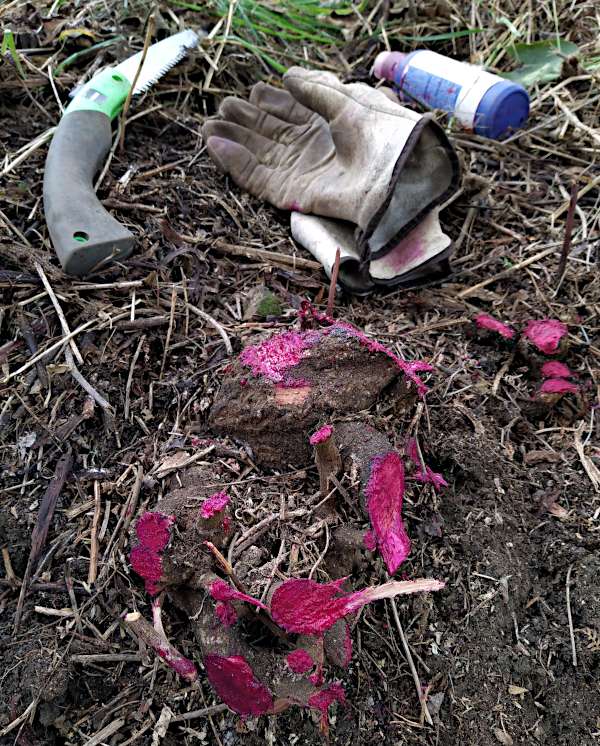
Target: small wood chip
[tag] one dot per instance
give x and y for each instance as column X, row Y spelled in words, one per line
column 105, row 733
column 537, row 457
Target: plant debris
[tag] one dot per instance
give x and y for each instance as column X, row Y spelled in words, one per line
column 158, row 337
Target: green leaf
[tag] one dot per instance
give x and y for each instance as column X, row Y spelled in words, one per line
column 541, row 61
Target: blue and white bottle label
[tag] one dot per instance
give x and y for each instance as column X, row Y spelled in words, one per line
column 441, row 83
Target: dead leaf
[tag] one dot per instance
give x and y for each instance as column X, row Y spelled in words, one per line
column 550, row 504
column 558, row 511
column 57, row 369
column 162, row 725
column 434, row 704
column 503, row 737
column 172, row 462
column 514, row 689
column 24, row 443
column 75, row 32
column 88, row 408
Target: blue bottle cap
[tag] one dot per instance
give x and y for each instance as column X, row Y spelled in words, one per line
column 503, row 109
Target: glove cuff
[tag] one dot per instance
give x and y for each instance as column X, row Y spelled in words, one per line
column 425, row 176
column 421, row 256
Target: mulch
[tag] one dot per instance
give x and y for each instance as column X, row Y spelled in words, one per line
column 94, row 429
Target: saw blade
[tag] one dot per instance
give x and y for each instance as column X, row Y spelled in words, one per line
column 160, row 58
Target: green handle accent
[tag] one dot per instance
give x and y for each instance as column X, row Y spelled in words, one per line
column 82, row 231
column 105, row 92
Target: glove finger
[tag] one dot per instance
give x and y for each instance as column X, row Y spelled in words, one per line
column 317, row 90
column 237, row 161
column 261, row 147
column 255, row 119
column 279, row 103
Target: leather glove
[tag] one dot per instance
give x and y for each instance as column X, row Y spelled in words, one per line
column 341, row 151
column 421, row 256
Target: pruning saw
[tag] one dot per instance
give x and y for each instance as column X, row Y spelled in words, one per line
column 83, row 233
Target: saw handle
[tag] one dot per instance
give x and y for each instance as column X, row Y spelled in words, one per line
column 82, row 231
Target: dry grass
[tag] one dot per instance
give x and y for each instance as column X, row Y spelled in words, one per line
column 152, row 340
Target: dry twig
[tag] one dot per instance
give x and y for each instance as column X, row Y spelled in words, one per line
column 564, row 254
column 570, row 615
column 40, row 532
column 411, row 663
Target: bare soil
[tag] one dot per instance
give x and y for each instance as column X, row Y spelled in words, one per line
column 509, row 651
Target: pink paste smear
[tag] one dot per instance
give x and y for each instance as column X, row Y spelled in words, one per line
column 226, row 614
column 484, row 321
column 385, row 492
column 273, row 357
column 234, row 681
column 154, row 532
column 546, row 334
column 323, row 700
column 300, row 661
column 369, row 541
column 554, row 369
column 558, row 386
column 179, row 663
column 433, row 477
column 214, row 504
column 221, row 591
column 321, row 435
column 306, row 607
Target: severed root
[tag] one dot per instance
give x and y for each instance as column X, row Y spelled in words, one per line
column 368, row 455
column 280, row 388
column 157, row 640
column 306, row 607
column 251, row 681
column 197, row 520
column 327, row 456
column 548, row 336
column 255, row 681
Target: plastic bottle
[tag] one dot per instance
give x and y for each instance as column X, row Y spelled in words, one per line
column 482, row 102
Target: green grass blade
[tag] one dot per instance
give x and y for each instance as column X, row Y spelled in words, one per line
column 260, row 53
column 188, row 6
column 84, row 52
column 9, row 46
column 449, row 36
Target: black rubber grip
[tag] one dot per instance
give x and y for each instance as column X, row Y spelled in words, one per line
column 83, row 233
